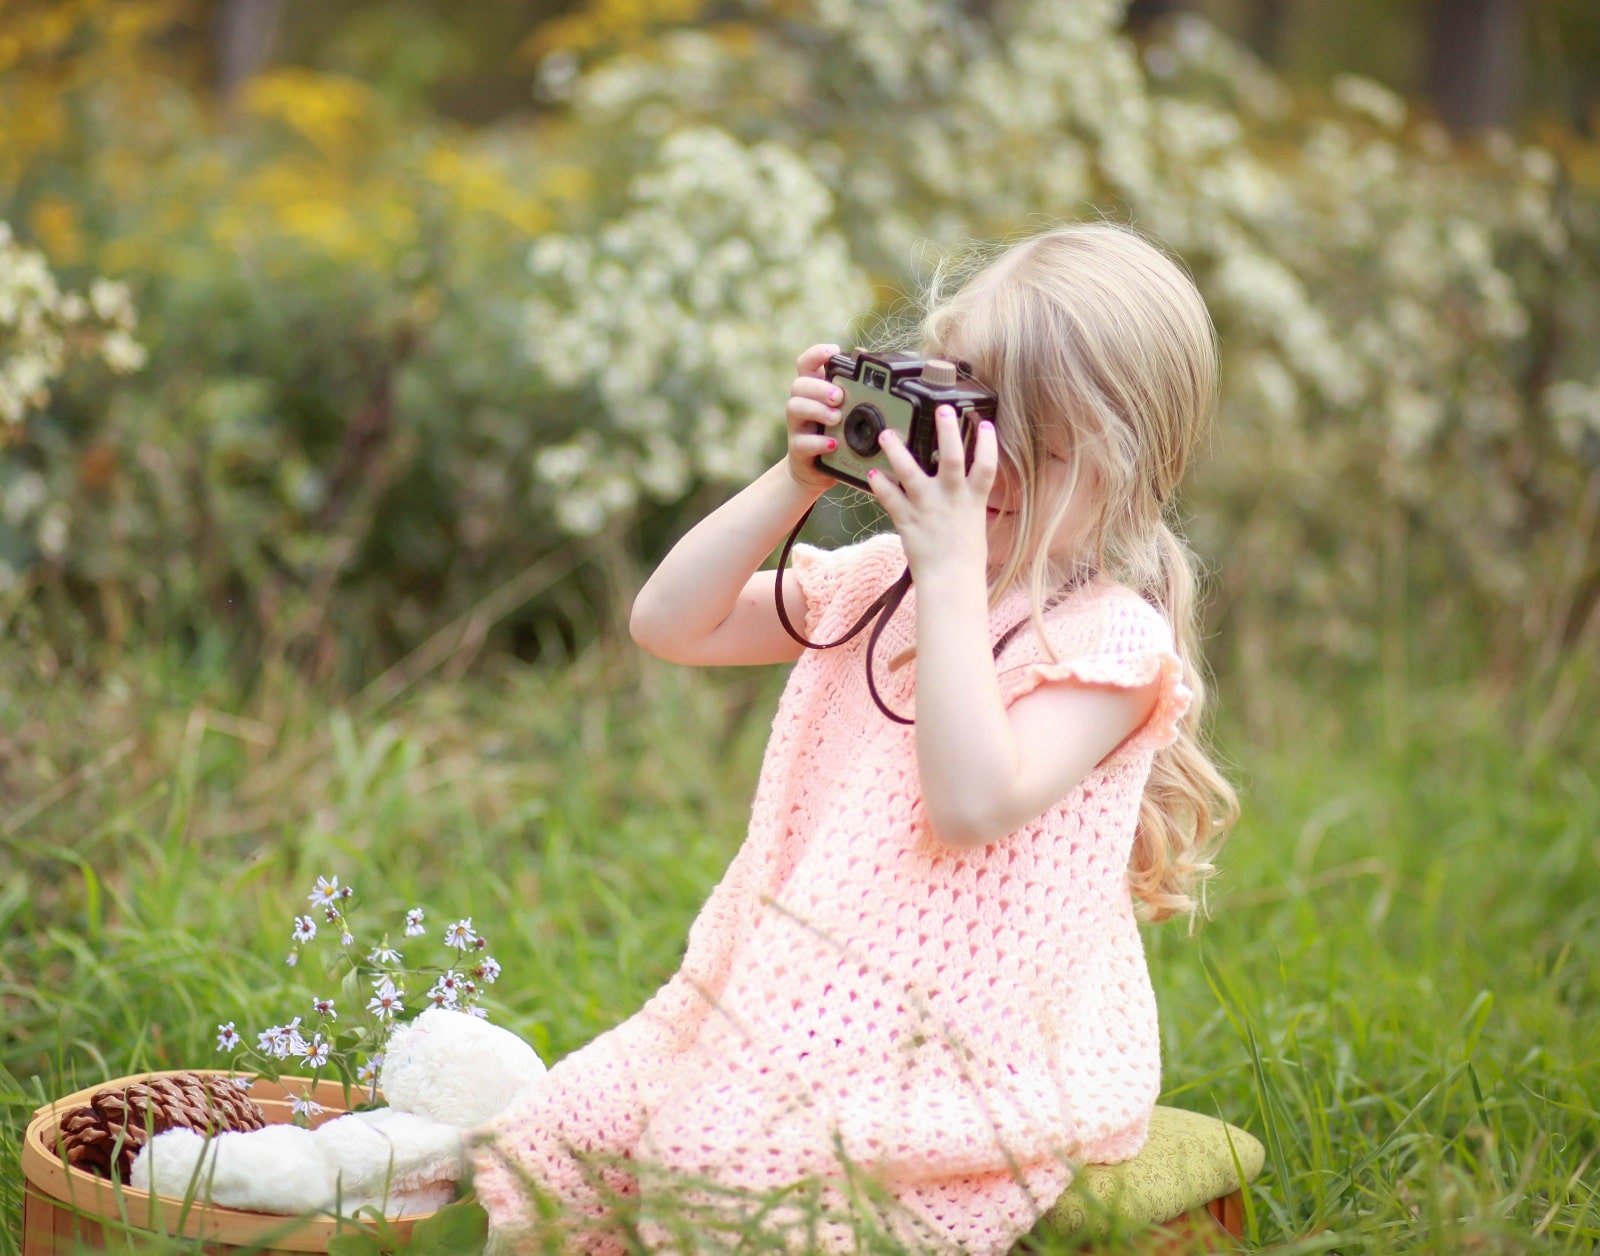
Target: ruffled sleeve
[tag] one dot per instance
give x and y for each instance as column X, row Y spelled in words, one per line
column 1110, row 636
column 841, row 583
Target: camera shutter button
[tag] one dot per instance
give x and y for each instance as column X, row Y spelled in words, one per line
column 938, row 372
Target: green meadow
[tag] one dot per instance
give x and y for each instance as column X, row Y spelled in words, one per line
column 1396, row 990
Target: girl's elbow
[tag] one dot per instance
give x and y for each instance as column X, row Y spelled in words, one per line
column 648, row 629
column 967, row 830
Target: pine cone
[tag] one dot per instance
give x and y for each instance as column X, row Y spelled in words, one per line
column 206, row 1104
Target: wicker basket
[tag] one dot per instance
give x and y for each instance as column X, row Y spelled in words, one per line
column 67, row 1210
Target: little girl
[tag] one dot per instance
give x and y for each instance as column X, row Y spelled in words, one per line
column 920, row 981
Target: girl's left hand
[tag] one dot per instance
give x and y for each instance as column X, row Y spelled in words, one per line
column 942, row 518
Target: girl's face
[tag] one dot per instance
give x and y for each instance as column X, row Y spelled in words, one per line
column 1005, row 500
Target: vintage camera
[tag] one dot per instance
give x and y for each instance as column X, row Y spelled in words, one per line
column 899, row 391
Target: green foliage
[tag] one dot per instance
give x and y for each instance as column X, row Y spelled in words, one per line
column 1397, row 992
column 394, row 364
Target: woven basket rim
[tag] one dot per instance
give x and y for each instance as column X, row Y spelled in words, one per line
column 100, row 1199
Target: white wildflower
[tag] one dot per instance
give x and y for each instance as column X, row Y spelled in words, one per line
column 326, row 892
column 306, row 1106
column 386, row 1003
column 460, row 935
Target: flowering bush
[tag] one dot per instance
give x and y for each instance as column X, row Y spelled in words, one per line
column 680, row 319
column 354, row 1051
column 43, row 328
column 1408, row 405
column 362, row 408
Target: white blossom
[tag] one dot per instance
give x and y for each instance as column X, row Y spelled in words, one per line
column 460, row 935
column 305, row 1106
column 326, row 892
column 387, row 1002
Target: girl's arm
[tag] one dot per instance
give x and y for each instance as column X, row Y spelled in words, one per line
column 986, row 769
column 708, row 602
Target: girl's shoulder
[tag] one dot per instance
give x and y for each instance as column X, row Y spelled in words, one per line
column 841, row 583
column 1098, row 617
column 1104, row 634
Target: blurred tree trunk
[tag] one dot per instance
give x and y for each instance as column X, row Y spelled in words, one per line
column 246, row 33
column 1264, row 27
column 1474, row 51
column 1143, row 14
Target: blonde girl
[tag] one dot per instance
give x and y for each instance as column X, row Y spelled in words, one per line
column 921, row 977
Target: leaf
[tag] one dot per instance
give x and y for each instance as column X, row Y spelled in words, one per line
column 351, row 992
column 459, row 1229
column 354, row 1242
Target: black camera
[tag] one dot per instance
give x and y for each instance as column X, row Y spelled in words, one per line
column 899, row 391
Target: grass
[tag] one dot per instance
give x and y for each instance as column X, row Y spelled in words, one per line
column 1398, row 992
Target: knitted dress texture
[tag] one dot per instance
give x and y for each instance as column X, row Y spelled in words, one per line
column 957, row 1026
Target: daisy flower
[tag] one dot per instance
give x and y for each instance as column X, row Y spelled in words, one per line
column 460, row 935
column 384, row 954
column 317, row 1052
column 487, row 970
column 324, row 1007
column 414, row 927
column 305, row 928
column 327, row 892
column 306, row 1106
column 440, row 997
column 367, row 1074
column 290, row 1040
column 386, row 1002
column 228, row 1038
column 476, row 1011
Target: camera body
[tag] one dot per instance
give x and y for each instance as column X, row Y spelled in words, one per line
column 899, row 391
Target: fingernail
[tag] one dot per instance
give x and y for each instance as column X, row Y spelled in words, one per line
column 834, row 394
column 872, row 473
column 987, row 426
column 832, row 445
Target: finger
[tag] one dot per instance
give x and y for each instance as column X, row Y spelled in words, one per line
column 814, row 389
column 888, row 494
column 802, row 414
column 985, row 458
column 813, row 359
column 900, row 460
column 811, row 444
column 952, row 452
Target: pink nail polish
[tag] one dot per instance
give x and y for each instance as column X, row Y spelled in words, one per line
column 832, row 445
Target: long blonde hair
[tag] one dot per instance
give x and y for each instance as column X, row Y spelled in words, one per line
column 1104, row 357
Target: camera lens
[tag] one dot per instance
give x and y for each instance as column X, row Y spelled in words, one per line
column 861, row 428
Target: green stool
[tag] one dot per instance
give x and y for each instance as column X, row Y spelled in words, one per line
column 1189, row 1180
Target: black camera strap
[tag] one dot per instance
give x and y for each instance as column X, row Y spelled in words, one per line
column 882, row 611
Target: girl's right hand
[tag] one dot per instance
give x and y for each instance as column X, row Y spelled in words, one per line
column 811, row 412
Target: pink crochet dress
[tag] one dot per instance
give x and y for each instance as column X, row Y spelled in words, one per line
column 961, row 1025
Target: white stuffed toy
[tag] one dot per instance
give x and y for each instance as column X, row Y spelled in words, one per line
column 443, row 1073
